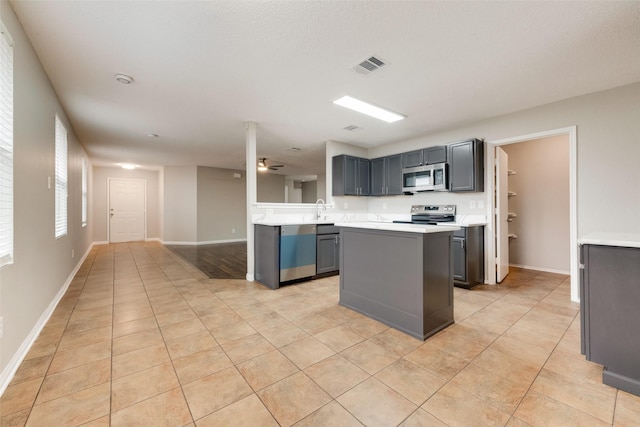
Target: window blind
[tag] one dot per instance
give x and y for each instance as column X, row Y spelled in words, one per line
column 61, row 179
column 6, row 147
column 84, row 191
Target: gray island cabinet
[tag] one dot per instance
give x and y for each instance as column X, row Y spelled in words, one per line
column 610, row 306
column 399, row 274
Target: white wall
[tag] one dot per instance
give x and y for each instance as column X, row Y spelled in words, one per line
column 222, row 204
column 100, row 190
column 541, row 183
column 607, row 127
column 180, row 204
column 42, row 266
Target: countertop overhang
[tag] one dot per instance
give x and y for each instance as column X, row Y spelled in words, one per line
column 626, row 240
column 392, row 226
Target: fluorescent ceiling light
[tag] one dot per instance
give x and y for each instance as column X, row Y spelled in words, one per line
column 368, row 109
column 128, row 166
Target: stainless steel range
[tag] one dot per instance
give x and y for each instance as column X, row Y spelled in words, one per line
column 431, row 214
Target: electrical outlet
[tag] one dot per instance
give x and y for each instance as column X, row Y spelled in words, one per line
column 472, row 204
column 49, row 182
column 73, row 253
column 480, row 204
column 1, row 326
column 233, row 231
column 346, row 205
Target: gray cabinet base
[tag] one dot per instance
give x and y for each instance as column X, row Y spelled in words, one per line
column 401, row 279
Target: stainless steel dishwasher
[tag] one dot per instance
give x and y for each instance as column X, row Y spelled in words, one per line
column 297, row 251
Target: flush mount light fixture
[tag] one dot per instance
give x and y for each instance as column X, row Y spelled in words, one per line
column 124, row 79
column 368, row 109
column 262, row 165
column 129, row 166
column 152, row 135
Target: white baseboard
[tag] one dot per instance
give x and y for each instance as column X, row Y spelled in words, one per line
column 102, row 242
column 10, row 370
column 153, row 239
column 208, row 242
column 546, row 270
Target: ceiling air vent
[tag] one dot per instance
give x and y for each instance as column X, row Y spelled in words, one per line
column 369, row 65
column 352, row 128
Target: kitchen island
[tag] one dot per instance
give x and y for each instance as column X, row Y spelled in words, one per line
column 399, row 274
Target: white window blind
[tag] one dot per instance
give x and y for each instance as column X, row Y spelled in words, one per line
column 85, row 194
column 6, row 147
column 61, row 179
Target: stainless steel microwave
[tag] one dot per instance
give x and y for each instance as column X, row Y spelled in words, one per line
column 425, row 178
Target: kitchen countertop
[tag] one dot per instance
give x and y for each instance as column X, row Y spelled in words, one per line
column 627, row 240
column 390, row 226
column 294, row 222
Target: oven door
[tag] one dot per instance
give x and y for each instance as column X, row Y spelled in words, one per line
column 417, row 179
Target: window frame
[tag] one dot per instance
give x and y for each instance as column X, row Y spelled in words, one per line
column 61, row 180
column 6, row 148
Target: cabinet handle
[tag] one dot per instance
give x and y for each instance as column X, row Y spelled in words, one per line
column 462, row 244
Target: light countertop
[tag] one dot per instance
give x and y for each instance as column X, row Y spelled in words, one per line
column 627, row 240
column 275, row 223
column 390, row 226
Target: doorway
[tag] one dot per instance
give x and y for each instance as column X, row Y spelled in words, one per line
column 500, row 216
column 127, row 217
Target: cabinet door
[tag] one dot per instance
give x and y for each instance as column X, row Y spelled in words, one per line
column 363, row 176
column 394, row 174
column 413, row 158
column 351, row 187
column 378, row 177
column 466, row 160
column 433, row 155
column 327, row 251
column 459, row 259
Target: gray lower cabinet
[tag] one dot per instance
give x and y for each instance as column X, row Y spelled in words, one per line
column 610, row 313
column 386, row 176
column 328, row 254
column 327, row 249
column 351, row 176
column 267, row 255
column 466, row 166
column 468, row 257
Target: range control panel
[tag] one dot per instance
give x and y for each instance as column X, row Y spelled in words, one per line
column 434, row 209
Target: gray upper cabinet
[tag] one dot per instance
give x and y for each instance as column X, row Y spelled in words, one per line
column 351, row 176
column 466, row 166
column 426, row 156
column 412, row 159
column 433, row 155
column 386, row 176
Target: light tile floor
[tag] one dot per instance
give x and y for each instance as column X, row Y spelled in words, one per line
column 143, row 338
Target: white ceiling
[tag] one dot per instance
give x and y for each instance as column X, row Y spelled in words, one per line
column 202, row 68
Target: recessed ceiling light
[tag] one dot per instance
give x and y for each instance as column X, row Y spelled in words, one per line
column 124, row 79
column 129, row 166
column 369, row 109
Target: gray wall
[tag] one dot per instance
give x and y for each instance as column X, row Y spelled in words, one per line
column 270, row 188
column 222, row 205
column 100, row 192
column 42, row 264
column 541, row 203
column 309, row 191
column 180, row 204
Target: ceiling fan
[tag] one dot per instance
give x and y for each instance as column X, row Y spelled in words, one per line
column 263, row 165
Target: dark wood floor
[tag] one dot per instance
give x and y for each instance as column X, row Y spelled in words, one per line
column 219, row 261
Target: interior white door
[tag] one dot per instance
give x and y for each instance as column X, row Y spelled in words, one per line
column 127, row 215
column 502, row 214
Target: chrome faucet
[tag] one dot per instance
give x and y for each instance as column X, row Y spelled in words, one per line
column 324, row 207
